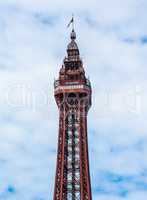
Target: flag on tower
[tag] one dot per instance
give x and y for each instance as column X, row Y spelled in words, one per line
column 71, row 22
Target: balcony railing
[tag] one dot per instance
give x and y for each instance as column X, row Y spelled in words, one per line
column 71, row 82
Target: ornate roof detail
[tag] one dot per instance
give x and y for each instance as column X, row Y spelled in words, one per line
column 72, row 46
column 72, row 68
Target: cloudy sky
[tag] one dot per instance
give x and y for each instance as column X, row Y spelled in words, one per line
column 112, row 37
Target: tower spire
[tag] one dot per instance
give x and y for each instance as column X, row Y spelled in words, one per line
column 73, row 34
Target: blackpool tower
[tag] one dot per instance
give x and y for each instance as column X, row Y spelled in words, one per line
column 73, row 96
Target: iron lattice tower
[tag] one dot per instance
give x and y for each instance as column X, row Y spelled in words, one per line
column 73, row 97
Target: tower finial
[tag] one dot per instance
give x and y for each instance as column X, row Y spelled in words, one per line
column 73, row 35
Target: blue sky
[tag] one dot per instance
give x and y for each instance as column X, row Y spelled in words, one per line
column 112, row 37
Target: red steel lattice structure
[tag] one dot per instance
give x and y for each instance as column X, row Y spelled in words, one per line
column 73, row 97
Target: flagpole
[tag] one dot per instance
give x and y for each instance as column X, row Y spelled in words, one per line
column 73, row 22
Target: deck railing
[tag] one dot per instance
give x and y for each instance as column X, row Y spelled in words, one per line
column 85, row 82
